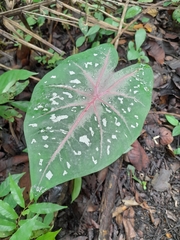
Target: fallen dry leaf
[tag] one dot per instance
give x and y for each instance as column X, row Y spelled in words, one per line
column 130, row 202
column 152, row 12
column 138, row 157
column 128, row 222
column 171, row 215
column 160, row 181
column 119, row 210
column 165, row 136
column 156, row 52
column 150, row 27
column 119, row 219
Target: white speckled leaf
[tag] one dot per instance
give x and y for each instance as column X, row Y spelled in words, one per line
column 83, row 116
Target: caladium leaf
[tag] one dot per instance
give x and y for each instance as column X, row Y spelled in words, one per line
column 83, row 116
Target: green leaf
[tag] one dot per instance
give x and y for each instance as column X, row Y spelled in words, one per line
column 92, row 30
column 145, row 1
column 36, row 226
column 83, row 119
column 80, row 41
column 133, row 55
column 132, row 12
column 18, row 87
column 45, row 208
column 172, row 120
column 22, row 105
column 10, row 200
column 16, row 191
column 176, row 131
column 4, row 186
column 176, row 14
column 49, row 235
column 9, row 78
column 31, row 20
column 4, row 234
column 7, row 211
column 48, row 218
column 9, row 113
column 6, row 97
column 76, row 188
column 140, row 37
column 6, row 225
column 25, row 231
column 131, row 45
column 83, row 26
column 177, row 151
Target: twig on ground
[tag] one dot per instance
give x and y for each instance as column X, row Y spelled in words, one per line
column 108, row 199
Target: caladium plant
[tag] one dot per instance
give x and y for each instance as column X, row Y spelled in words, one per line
column 83, row 116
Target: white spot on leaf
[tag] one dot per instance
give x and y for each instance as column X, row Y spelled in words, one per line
column 76, row 81
column 108, row 150
column 55, row 118
column 40, row 162
column 46, row 146
column 33, row 125
column 63, row 131
column 53, row 76
column 71, row 72
column 68, row 94
column 49, row 175
column 114, row 137
column 117, row 123
column 123, row 110
column 85, row 139
column 45, row 137
column 91, row 130
column 64, row 173
column 94, row 161
column 121, row 100
column 88, row 63
column 136, row 116
column 146, row 89
column 77, row 153
column 104, row 121
column 68, row 164
column 107, row 110
column 96, row 64
column 33, row 141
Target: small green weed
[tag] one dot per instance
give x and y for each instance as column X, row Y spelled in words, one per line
column 134, row 50
column 131, row 171
column 24, row 221
column 176, row 130
column 51, row 62
column 89, row 33
column 11, row 87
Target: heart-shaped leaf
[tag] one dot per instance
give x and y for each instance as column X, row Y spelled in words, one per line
column 83, row 116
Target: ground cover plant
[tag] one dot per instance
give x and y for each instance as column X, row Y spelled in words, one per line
column 82, row 120
column 11, row 87
column 20, row 220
